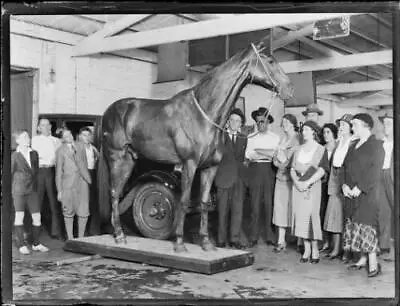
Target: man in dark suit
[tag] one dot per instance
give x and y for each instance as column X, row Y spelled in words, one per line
column 386, row 191
column 230, row 182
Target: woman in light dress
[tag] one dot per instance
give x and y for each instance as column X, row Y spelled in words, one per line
column 282, row 214
column 309, row 165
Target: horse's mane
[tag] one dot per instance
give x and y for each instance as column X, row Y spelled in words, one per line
column 209, row 80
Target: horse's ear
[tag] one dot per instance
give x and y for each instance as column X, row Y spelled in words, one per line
column 264, row 44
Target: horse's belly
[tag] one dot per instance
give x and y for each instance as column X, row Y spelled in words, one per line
column 159, row 150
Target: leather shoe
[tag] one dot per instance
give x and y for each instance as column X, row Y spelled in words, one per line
column 280, row 247
column 237, row 245
column 300, row 249
column 253, row 243
column 58, row 237
column 334, row 256
column 356, row 267
column 346, row 258
column 221, row 245
column 314, row 260
column 375, row 272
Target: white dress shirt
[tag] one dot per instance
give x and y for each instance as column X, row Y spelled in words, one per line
column 256, row 140
column 26, row 154
column 46, row 146
column 90, row 157
column 388, row 147
column 341, row 151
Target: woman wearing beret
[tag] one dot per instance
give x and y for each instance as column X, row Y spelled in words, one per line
column 362, row 168
column 333, row 222
column 282, row 215
column 309, row 165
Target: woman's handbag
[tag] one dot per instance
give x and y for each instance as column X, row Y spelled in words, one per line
column 307, row 175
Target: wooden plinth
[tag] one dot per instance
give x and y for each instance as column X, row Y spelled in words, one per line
column 161, row 253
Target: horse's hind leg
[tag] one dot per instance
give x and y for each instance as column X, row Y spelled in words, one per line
column 207, row 177
column 121, row 166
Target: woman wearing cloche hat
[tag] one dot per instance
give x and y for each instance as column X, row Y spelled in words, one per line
column 333, row 222
column 361, row 173
column 309, row 165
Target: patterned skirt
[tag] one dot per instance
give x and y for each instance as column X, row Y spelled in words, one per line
column 359, row 237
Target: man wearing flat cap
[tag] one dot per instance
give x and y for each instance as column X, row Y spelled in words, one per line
column 361, row 174
column 229, row 181
column 261, row 148
column 386, row 191
column 312, row 112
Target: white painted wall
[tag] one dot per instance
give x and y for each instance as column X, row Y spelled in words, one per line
column 84, row 85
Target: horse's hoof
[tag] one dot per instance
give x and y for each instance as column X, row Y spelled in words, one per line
column 120, row 238
column 179, row 248
column 208, row 246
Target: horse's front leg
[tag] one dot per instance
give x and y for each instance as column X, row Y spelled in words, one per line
column 188, row 171
column 121, row 169
column 207, row 178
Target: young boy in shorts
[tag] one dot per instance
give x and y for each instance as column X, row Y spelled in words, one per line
column 24, row 169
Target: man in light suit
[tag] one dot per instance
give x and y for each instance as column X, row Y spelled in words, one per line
column 72, row 181
column 230, row 182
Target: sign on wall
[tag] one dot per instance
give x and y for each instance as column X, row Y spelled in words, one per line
column 331, row 28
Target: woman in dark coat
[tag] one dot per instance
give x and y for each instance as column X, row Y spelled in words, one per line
column 362, row 166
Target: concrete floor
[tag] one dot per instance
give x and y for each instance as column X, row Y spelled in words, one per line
column 271, row 276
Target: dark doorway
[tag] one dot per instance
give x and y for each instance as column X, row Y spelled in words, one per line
column 21, row 101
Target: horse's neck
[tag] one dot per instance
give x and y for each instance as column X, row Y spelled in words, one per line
column 219, row 92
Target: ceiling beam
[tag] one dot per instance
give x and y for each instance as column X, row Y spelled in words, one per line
column 345, row 61
column 366, row 102
column 45, row 33
column 196, row 30
column 327, row 76
column 378, row 70
column 111, row 28
column 368, row 37
column 321, row 47
column 291, row 36
column 331, row 98
column 355, row 87
column 381, row 20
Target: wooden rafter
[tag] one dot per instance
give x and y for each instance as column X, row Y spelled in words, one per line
column 195, row 30
column 355, row 87
column 111, row 28
column 366, row 102
column 345, row 61
column 291, row 36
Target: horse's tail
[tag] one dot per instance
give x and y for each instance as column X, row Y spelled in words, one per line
column 103, row 183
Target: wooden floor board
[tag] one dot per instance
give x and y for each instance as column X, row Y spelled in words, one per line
column 161, row 253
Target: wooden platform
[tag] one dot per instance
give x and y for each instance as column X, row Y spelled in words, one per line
column 161, row 253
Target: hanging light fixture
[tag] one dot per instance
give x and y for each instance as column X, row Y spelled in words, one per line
column 52, row 76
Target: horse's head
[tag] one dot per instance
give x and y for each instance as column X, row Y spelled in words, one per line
column 265, row 71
